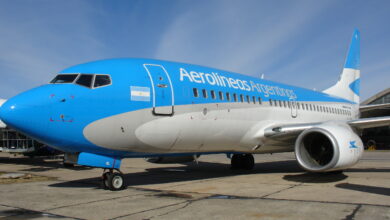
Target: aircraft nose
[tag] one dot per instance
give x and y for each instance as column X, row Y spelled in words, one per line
column 23, row 114
column 13, row 114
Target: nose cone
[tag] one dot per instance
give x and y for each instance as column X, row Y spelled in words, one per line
column 2, row 125
column 25, row 113
column 12, row 113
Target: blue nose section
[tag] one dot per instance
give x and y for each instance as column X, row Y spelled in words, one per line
column 26, row 113
column 17, row 114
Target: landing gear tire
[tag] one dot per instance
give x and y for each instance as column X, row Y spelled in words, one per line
column 248, row 162
column 236, row 162
column 68, row 165
column 242, row 161
column 105, row 179
column 115, row 181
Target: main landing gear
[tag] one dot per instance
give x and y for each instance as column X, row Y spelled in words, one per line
column 113, row 180
column 242, row 161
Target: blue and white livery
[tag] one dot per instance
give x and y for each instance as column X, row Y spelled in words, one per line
column 103, row 111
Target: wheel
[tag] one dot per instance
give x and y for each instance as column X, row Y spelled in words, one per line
column 68, row 165
column 105, row 179
column 247, row 162
column 236, row 161
column 115, row 181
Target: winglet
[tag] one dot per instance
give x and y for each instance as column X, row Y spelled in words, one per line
column 353, row 57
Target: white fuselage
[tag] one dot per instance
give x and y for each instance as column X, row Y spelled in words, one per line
column 222, row 127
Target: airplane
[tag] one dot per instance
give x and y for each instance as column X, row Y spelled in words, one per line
column 104, row 111
column 2, row 125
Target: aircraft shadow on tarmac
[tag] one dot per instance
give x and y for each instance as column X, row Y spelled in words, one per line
column 38, row 164
column 208, row 170
column 187, row 172
column 364, row 188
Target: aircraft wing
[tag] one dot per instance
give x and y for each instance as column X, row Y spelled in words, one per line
column 366, row 108
column 368, row 111
column 295, row 129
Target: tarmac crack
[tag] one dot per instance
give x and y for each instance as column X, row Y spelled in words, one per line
column 152, row 209
column 95, row 201
column 175, row 210
column 352, row 215
column 279, row 191
column 29, row 213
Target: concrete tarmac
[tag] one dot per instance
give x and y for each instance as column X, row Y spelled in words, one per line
column 276, row 189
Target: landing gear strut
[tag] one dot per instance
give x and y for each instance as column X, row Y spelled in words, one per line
column 242, row 161
column 113, row 180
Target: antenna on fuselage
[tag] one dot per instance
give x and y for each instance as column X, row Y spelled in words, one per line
column 262, row 76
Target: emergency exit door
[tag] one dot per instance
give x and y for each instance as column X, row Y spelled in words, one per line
column 294, row 108
column 163, row 99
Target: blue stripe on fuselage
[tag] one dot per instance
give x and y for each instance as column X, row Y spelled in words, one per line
column 130, row 72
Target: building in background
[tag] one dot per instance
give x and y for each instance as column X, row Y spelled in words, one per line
column 377, row 106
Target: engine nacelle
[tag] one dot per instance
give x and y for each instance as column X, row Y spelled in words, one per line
column 328, row 147
column 172, row 159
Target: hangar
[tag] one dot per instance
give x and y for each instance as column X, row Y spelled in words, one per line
column 380, row 136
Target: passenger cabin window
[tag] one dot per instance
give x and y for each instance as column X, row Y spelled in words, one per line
column 85, row 80
column 248, row 99
column 228, row 96
column 242, row 98
column 235, row 97
column 64, row 78
column 259, row 100
column 213, row 94
column 195, row 91
column 220, row 95
column 204, row 93
column 102, row 80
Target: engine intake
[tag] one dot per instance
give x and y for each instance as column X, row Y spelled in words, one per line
column 328, row 147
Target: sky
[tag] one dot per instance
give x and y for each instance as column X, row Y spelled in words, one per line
column 300, row 42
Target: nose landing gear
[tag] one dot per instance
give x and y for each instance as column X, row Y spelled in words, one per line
column 242, row 161
column 113, row 180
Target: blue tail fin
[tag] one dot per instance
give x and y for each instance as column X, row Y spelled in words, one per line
column 348, row 86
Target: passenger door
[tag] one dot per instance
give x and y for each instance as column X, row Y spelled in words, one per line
column 163, row 96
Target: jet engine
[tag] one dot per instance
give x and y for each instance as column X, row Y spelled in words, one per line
column 328, row 147
column 172, row 159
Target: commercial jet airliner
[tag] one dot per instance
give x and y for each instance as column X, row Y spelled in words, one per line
column 101, row 112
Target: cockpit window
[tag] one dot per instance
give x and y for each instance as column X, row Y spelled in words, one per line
column 102, row 80
column 64, row 78
column 85, row 80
